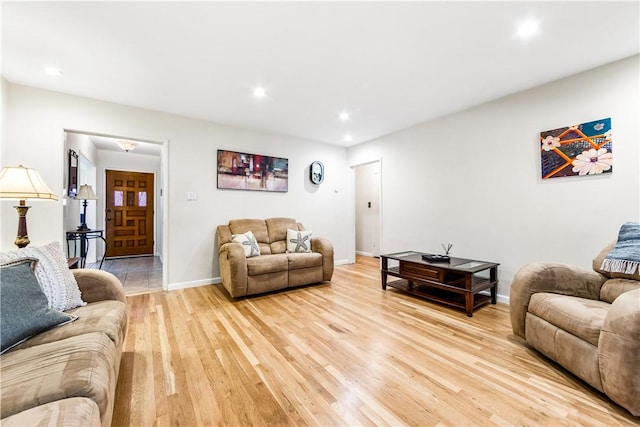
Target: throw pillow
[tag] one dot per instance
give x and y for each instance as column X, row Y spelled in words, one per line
column 52, row 271
column 248, row 242
column 298, row 241
column 24, row 309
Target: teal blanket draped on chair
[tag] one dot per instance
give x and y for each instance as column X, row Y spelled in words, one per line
column 625, row 255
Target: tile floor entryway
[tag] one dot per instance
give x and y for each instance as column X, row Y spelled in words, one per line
column 137, row 274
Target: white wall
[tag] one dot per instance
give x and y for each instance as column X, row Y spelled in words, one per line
column 35, row 122
column 82, row 145
column 3, row 115
column 473, row 178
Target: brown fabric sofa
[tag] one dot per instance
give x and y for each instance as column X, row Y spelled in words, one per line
column 274, row 268
column 587, row 321
column 67, row 375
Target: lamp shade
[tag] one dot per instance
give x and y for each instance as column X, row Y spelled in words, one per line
column 20, row 183
column 86, row 193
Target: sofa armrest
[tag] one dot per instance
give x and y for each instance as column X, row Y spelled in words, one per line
column 98, row 285
column 233, row 269
column 324, row 247
column 553, row 278
column 619, row 350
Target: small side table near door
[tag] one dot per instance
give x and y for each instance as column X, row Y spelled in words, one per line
column 84, row 236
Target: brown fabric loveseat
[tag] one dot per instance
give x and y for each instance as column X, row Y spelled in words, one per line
column 587, row 321
column 275, row 268
column 67, row 375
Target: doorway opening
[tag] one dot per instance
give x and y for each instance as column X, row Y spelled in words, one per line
column 144, row 270
column 367, row 209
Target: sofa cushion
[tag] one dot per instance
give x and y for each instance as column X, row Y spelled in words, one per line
column 55, row 278
column 613, row 288
column 76, row 411
column 108, row 317
column 259, row 229
column 304, row 260
column 298, row 241
column 248, row 242
column 80, row 366
column 267, row 264
column 24, row 309
column 278, row 230
column 581, row 317
column 575, row 354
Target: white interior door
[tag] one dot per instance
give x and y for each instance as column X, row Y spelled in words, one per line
column 367, row 209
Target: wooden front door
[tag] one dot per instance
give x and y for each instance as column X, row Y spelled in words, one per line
column 129, row 213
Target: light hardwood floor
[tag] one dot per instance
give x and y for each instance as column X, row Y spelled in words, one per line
column 345, row 353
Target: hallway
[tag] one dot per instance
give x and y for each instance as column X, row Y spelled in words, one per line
column 137, row 274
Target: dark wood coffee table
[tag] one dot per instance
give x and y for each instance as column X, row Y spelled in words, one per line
column 455, row 283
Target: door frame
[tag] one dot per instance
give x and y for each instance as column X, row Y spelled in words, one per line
column 88, row 176
column 351, row 246
column 162, row 189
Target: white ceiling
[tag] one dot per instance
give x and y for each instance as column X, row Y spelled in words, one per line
column 390, row 64
column 111, row 144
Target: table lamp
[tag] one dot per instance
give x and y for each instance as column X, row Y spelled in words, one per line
column 21, row 183
column 85, row 193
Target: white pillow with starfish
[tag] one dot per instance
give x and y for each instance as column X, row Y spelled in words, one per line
column 248, row 242
column 298, row 241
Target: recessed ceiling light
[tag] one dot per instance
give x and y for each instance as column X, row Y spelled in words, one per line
column 53, row 71
column 344, row 116
column 348, row 138
column 527, row 28
column 259, row 92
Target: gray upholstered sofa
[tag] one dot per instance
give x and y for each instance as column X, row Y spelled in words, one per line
column 587, row 321
column 67, row 375
column 275, row 267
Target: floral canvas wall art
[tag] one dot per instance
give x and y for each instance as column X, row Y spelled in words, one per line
column 578, row 150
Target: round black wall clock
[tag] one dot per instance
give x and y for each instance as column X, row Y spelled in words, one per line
column 316, row 172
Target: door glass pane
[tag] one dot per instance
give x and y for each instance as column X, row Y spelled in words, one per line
column 117, row 198
column 142, row 198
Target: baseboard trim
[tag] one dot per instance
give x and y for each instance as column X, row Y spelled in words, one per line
column 216, row 280
column 502, row 299
column 194, row 283
column 369, row 254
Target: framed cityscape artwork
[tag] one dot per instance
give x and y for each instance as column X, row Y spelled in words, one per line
column 244, row 171
column 578, row 150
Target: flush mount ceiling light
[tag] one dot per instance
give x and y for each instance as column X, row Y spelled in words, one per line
column 344, row 116
column 127, row 145
column 53, row 71
column 348, row 138
column 259, row 92
column 527, row 28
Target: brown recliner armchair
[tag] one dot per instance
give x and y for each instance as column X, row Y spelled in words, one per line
column 275, row 268
column 587, row 321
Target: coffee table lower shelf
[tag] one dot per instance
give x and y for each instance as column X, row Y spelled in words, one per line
column 443, row 296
